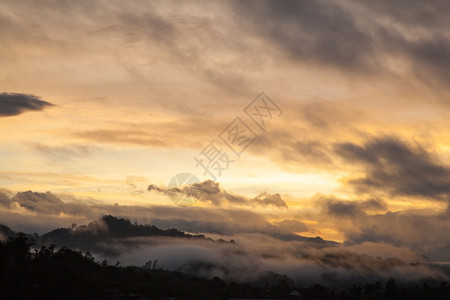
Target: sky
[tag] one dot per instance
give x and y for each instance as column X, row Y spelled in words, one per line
column 343, row 106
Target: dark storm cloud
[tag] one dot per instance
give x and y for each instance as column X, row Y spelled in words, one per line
column 343, row 208
column 12, row 104
column 211, row 192
column 356, row 35
column 395, row 167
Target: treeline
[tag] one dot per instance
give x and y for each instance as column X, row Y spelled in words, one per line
column 47, row 273
column 391, row 290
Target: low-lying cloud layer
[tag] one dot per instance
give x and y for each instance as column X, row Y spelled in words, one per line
column 365, row 221
column 252, row 256
column 249, row 257
column 377, row 246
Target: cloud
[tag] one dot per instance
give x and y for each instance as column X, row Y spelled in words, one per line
column 292, row 225
column 315, row 119
column 210, row 192
column 322, row 31
column 425, row 232
column 137, row 184
column 210, row 219
column 138, row 137
column 397, row 168
column 353, row 37
column 41, row 202
column 343, row 208
column 349, row 260
column 365, row 221
column 250, row 257
column 12, row 104
column 228, row 222
column 265, row 199
column 163, row 131
column 421, row 230
column 48, row 203
column 62, row 153
column 5, row 201
column 334, row 267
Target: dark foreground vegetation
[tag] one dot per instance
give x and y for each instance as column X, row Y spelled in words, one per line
column 67, row 274
column 47, row 273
